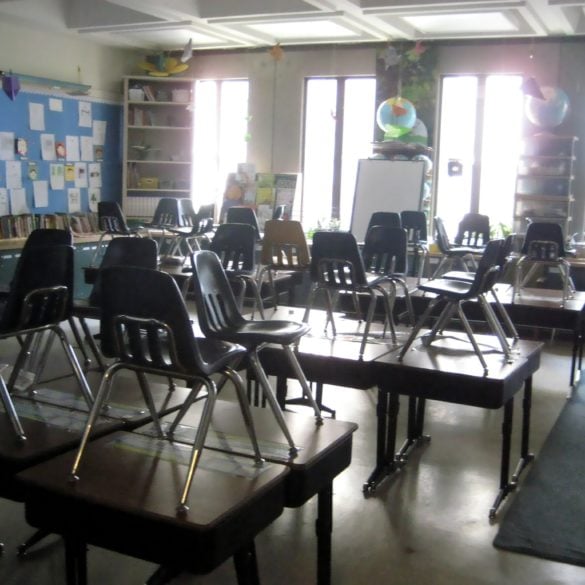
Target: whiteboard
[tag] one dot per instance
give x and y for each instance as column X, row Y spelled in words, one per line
column 385, row 185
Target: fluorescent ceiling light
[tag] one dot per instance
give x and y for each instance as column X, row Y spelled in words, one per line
column 473, row 22
column 307, row 29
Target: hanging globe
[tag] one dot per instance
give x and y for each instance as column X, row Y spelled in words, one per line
column 396, row 116
column 417, row 135
column 549, row 112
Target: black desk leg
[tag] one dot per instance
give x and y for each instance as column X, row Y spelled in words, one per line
column 246, row 565
column 505, row 485
column 324, row 529
column 387, row 416
column 75, row 560
column 525, row 455
column 416, row 421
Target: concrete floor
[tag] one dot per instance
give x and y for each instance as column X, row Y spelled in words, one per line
column 428, row 525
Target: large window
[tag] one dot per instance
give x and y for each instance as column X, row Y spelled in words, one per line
column 338, row 131
column 479, row 142
column 220, row 137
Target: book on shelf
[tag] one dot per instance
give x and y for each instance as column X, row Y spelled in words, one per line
column 148, row 93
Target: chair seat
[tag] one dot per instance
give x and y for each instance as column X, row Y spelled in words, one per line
column 254, row 333
column 464, row 250
column 447, row 287
column 459, row 275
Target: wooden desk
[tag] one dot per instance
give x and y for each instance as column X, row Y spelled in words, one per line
column 451, row 373
column 126, row 500
column 325, row 451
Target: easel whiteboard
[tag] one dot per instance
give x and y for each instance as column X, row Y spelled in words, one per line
column 385, row 185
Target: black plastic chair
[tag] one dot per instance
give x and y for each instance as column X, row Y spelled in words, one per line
column 452, row 254
column 385, row 254
column 167, row 218
column 145, row 327
column 415, row 223
column 235, row 244
column 453, row 293
column 220, row 318
column 197, row 227
column 40, row 299
column 338, row 267
column 473, row 230
column 544, row 245
column 385, row 218
column 279, row 212
column 242, row 214
column 142, row 252
column 112, row 222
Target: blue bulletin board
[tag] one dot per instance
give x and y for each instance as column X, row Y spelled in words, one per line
column 61, row 117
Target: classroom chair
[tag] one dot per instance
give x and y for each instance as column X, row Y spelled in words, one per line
column 415, row 224
column 145, row 327
column 473, row 231
column 243, row 214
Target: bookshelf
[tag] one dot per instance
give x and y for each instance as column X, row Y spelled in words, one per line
column 157, row 141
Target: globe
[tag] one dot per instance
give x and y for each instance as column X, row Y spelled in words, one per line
column 396, row 116
column 549, row 112
column 417, row 135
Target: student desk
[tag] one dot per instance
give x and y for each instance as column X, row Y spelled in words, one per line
column 325, row 451
column 126, row 498
column 452, row 373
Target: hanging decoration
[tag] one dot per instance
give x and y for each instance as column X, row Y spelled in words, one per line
column 396, row 116
column 276, row 52
column 162, row 65
column 10, row 85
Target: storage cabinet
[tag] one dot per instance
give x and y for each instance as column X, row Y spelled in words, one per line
column 158, row 138
column 544, row 181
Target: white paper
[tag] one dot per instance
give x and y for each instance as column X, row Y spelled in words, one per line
column 87, row 148
column 57, row 176
column 36, row 115
column 7, row 145
column 74, row 200
column 55, row 105
column 13, row 174
column 18, row 201
column 95, row 174
column 99, row 132
column 85, row 114
column 80, row 175
column 94, row 196
column 41, row 193
column 72, row 147
column 48, row 147
column 4, row 205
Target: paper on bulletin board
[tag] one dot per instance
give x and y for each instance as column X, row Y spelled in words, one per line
column 94, row 196
column 4, row 205
column 55, row 105
column 13, row 174
column 80, row 175
column 99, row 132
column 72, row 147
column 18, row 202
column 95, row 175
column 74, row 200
column 87, row 148
column 57, row 176
column 6, row 145
column 41, row 193
column 48, row 146
column 36, row 116
column 85, row 114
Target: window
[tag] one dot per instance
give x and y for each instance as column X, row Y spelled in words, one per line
column 220, row 137
column 479, row 143
column 338, row 131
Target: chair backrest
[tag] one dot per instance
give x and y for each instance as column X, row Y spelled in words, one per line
column 544, row 241
column 167, row 214
column 243, row 214
column 235, row 244
column 111, row 218
column 488, row 268
column 441, row 236
column 284, row 246
column 336, row 261
column 142, row 252
column 385, row 250
column 415, row 223
column 217, row 308
column 49, row 237
column 473, row 230
column 144, row 321
column 189, row 216
column 41, row 291
column 386, row 218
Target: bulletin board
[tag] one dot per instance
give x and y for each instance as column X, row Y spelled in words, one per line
column 93, row 171
column 385, row 185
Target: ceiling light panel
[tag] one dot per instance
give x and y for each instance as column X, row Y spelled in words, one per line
column 470, row 23
column 318, row 29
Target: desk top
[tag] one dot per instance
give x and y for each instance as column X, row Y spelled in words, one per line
column 129, row 488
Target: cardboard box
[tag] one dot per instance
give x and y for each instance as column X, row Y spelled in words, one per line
column 148, row 183
column 181, row 95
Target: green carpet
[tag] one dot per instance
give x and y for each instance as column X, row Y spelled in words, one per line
column 547, row 515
